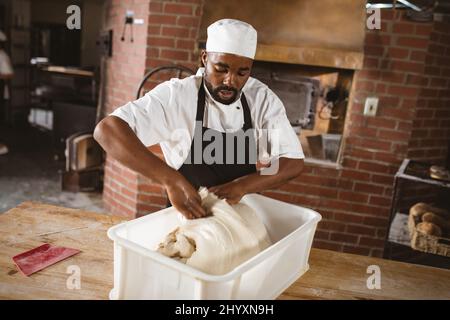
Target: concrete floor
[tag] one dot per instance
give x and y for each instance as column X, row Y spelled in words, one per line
column 29, row 172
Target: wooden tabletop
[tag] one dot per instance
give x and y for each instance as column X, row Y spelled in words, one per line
column 332, row 275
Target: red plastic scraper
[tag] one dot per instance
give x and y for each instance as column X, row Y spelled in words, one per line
column 41, row 257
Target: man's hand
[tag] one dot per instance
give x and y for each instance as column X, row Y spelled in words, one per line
column 185, row 198
column 232, row 191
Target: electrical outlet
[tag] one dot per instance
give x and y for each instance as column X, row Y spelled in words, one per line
column 371, row 106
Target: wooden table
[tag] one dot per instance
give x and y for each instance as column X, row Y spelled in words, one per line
column 332, row 275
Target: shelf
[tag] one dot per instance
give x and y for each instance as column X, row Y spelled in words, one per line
column 421, row 171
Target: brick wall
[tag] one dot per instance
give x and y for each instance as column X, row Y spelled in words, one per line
column 123, row 72
column 172, row 35
column 167, row 37
column 354, row 200
column 431, row 127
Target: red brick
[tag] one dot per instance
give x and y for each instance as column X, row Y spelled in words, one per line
column 412, row 79
column 361, row 230
column 335, row 204
column 403, row 28
column 131, row 194
column 434, row 71
column 185, row 44
column 379, row 201
column 438, row 82
column 381, row 233
column 279, row 196
column 343, row 238
column 319, row 191
column 369, row 74
column 436, row 49
column 187, row 21
column 350, row 163
column 387, row 157
column 154, row 30
column 332, row 225
column 159, row 19
column 393, row 77
column 361, row 153
column 403, row 91
column 376, row 39
column 412, row 42
column 174, row 55
column 370, row 63
column 363, row 131
column 376, row 144
column 397, row 53
column 352, row 196
column 144, row 209
column 175, row 32
column 373, row 167
column 326, row 214
column 355, row 174
column 381, row 123
column 373, row 50
column 380, row 88
column 123, row 200
column 348, row 218
column 177, row 8
column 367, row 187
column 371, row 242
column 150, row 199
column 407, row 66
column 322, row 235
column 327, row 245
column 423, row 29
column 374, row 221
column 162, row 42
column 418, row 56
column 155, row 7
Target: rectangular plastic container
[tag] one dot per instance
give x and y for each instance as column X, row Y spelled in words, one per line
column 142, row 273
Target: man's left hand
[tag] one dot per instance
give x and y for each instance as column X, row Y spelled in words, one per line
column 231, row 191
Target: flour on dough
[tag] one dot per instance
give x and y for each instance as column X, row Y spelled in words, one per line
column 220, row 242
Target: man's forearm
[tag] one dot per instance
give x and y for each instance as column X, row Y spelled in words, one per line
column 121, row 143
column 288, row 169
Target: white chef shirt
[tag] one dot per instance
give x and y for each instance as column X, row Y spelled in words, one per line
column 166, row 115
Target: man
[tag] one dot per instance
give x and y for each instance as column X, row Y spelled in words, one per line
column 220, row 101
column 6, row 73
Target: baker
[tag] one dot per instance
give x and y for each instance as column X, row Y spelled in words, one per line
column 214, row 128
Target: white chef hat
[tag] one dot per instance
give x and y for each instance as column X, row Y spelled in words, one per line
column 3, row 36
column 232, row 36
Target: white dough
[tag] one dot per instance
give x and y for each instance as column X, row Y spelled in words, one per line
column 218, row 243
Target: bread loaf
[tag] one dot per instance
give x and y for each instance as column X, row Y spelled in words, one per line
column 429, row 229
column 436, row 219
column 420, row 208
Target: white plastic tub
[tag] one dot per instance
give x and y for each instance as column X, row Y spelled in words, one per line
column 142, row 273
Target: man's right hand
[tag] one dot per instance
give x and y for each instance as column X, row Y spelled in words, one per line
column 122, row 144
column 185, row 198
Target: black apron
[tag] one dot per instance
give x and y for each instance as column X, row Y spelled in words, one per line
column 206, row 174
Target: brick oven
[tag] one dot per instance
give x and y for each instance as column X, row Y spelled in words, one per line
column 405, row 63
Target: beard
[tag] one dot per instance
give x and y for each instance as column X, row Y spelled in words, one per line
column 223, row 94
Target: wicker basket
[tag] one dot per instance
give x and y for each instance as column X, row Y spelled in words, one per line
column 427, row 243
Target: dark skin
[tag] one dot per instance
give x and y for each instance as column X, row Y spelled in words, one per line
column 225, row 76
